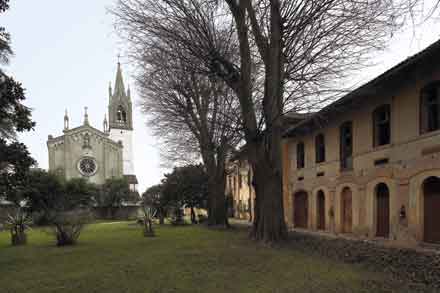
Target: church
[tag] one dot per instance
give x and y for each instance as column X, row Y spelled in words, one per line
column 98, row 155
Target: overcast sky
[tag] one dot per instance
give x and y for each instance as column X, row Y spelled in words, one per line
column 66, row 54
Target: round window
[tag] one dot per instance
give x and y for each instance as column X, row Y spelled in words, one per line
column 87, row 166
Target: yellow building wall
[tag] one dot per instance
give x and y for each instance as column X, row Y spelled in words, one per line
column 404, row 174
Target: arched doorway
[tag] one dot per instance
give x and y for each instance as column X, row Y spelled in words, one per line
column 431, row 192
column 346, row 210
column 382, row 210
column 300, row 209
column 320, row 210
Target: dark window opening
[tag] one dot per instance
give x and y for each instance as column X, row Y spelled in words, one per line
column 379, row 162
column 300, row 160
column 430, row 108
column 121, row 115
column 381, row 125
column 346, row 145
column 86, row 141
column 240, row 180
column 320, row 148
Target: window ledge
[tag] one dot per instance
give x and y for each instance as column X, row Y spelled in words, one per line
column 430, row 133
column 346, row 170
column 383, row 147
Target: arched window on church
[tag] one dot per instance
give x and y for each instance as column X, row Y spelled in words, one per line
column 86, row 141
column 121, row 115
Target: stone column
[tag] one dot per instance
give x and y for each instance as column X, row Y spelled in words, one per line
column 331, row 211
column 404, row 223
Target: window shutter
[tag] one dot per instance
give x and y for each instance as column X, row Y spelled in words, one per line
column 375, row 126
column 437, row 96
column 423, row 112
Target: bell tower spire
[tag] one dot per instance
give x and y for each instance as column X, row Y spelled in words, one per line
column 119, row 83
column 120, row 121
column 120, row 107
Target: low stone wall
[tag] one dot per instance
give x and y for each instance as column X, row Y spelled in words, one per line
column 187, row 212
column 122, row 213
column 420, row 268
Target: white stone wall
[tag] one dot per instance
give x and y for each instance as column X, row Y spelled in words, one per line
column 65, row 152
column 125, row 136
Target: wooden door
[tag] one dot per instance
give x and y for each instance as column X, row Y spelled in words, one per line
column 431, row 190
column 347, row 211
column 300, row 209
column 383, row 210
column 321, row 210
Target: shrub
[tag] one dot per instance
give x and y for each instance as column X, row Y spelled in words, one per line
column 67, row 226
column 64, row 205
column 177, row 218
column 40, row 219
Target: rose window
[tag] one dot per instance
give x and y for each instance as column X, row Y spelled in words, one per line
column 87, row 166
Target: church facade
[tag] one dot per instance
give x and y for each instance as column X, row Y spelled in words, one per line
column 98, row 155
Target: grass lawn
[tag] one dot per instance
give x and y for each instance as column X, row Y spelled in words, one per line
column 117, row 258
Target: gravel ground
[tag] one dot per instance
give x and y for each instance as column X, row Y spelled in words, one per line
column 406, row 270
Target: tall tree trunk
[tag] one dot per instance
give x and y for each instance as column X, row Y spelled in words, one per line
column 217, row 210
column 268, row 223
column 193, row 216
column 264, row 148
column 215, row 163
column 161, row 217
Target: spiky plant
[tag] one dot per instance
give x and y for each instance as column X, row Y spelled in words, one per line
column 149, row 214
column 17, row 225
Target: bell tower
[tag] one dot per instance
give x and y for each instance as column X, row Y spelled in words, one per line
column 120, row 106
column 120, row 123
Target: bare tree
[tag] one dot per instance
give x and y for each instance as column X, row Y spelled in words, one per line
column 298, row 50
column 193, row 115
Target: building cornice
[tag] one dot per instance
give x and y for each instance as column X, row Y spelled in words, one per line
column 80, row 129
